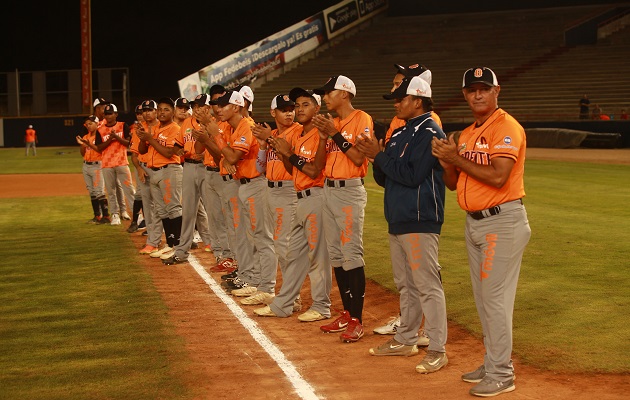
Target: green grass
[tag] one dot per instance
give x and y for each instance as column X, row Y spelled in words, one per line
column 572, row 299
column 71, row 316
column 49, row 160
column 79, row 318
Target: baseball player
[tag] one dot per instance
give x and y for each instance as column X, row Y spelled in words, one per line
column 162, row 145
column 112, row 142
column 280, row 189
column 92, row 171
column 486, row 165
column 137, row 200
column 152, row 222
column 396, row 123
column 257, row 259
column 307, row 253
column 99, row 111
column 193, row 182
column 221, row 187
column 414, row 209
column 30, row 140
column 345, row 199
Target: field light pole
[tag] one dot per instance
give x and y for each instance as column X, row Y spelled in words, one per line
column 86, row 56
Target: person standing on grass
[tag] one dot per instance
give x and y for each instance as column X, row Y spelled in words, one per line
column 486, row 165
column 92, row 171
column 30, row 140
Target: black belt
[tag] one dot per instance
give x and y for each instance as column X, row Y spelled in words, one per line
column 213, row 169
column 244, row 180
column 304, row 193
column 91, row 162
column 190, row 160
column 340, row 183
column 228, row 177
column 273, row 184
column 159, row 168
column 488, row 212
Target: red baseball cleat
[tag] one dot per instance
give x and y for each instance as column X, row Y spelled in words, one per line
column 353, row 332
column 338, row 325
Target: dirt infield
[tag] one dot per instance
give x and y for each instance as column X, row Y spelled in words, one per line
column 227, row 363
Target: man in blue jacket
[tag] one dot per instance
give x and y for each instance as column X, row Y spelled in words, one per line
column 414, row 209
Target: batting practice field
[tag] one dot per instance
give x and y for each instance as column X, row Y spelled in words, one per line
column 84, row 316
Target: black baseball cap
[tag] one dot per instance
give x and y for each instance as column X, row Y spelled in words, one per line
column 414, row 86
column 110, row 109
column 201, row 100
column 216, row 89
column 281, row 101
column 410, row 71
column 299, row 92
column 139, row 109
column 182, row 102
column 92, row 118
column 480, row 75
column 99, row 100
column 230, row 97
column 166, row 100
column 149, row 105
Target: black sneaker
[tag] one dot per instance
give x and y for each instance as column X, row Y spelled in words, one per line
column 142, row 225
column 230, row 276
column 104, row 220
column 194, row 246
column 234, row 284
column 145, row 233
column 173, row 260
column 133, row 227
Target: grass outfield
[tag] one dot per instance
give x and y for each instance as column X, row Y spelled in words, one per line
column 67, row 316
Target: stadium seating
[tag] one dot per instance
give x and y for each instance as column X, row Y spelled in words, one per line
column 542, row 80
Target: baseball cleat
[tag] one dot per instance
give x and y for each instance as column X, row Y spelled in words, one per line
column 393, row 348
column 432, row 362
column 173, row 260
column 389, row 328
column 338, row 325
column 353, row 332
column 311, row 316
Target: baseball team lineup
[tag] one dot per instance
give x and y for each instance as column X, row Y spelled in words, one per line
column 292, row 197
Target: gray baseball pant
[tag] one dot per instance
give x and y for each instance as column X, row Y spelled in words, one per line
column 213, row 194
column 417, row 277
column 166, row 190
column 308, row 254
column 495, row 250
column 252, row 209
column 193, row 179
column 112, row 175
column 93, row 177
column 153, row 223
column 282, row 203
column 232, row 220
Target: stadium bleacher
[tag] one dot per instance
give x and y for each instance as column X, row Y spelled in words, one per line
column 542, row 79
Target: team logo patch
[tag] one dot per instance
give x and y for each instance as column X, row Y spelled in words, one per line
column 462, row 147
column 242, row 139
column 367, row 130
column 478, row 73
column 507, row 140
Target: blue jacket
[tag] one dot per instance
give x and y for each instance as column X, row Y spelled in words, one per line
column 412, row 178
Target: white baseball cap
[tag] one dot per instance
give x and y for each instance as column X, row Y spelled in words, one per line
column 229, row 97
column 339, row 82
column 415, row 86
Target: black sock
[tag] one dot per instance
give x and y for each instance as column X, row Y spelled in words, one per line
column 356, row 282
column 166, row 223
column 96, row 208
column 137, row 206
column 177, row 229
column 341, row 276
column 104, row 207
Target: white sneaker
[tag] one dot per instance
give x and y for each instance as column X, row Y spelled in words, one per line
column 157, row 254
column 115, row 219
column 258, row 298
column 389, row 328
column 167, row 254
column 125, row 216
column 197, row 237
column 245, row 291
column 423, row 339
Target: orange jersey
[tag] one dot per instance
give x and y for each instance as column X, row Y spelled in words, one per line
column 114, row 155
column 305, row 145
column 186, row 137
column 398, row 123
column 275, row 168
column 91, row 155
column 500, row 136
column 30, row 135
column 338, row 166
column 243, row 139
column 226, row 132
column 167, row 136
column 135, row 141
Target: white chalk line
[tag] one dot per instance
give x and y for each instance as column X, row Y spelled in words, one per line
column 302, row 387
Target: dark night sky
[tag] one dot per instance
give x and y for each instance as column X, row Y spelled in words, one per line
column 162, row 41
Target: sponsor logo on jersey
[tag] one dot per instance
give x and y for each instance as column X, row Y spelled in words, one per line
column 507, row 140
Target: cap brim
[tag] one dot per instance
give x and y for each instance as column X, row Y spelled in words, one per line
column 484, row 82
column 298, row 92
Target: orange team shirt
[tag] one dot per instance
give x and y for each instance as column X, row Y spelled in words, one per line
column 243, row 139
column 114, row 155
column 226, row 133
column 500, row 136
column 397, row 123
column 135, row 141
column 275, row 168
column 90, row 154
column 186, row 137
column 30, row 135
column 167, row 136
column 338, row 166
column 305, row 145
